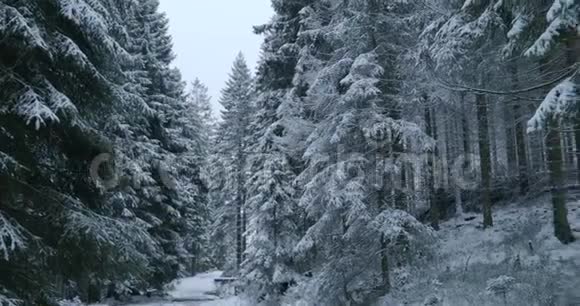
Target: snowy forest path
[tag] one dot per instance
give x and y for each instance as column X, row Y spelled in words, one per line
column 199, row 290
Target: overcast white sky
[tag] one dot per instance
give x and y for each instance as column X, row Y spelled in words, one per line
column 208, row 34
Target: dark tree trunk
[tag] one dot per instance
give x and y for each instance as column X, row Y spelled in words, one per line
column 577, row 148
column 385, row 265
column 465, row 128
column 466, row 145
column 553, row 141
column 573, row 57
column 510, row 135
column 430, row 130
column 520, row 131
column 485, row 158
column 244, row 229
column 383, row 152
column 522, row 152
column 492, row 138
column 240, row 209
column 239, row 246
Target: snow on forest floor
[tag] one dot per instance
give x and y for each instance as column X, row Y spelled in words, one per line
column 521, row 245
column 199, row 287
column 199, row 290
column 521, row 229
column 522, row 233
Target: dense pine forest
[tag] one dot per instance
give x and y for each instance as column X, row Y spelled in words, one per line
column 383, row 152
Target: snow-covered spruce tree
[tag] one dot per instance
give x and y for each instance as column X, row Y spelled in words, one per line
column 221, row 250
column 471, row 37
column 501, row 286
column 525, row 22
column 199, row 97
column 433, row 102
column 191, row 134
column 272, row 225
column 200, row 126
column 276, row 129
column 232, row 148
column 561, row 103
column 353, row 234
column 171, row 149
column 61, row 76
column 76, row 86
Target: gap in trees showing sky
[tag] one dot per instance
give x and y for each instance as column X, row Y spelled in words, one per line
column 207, row 36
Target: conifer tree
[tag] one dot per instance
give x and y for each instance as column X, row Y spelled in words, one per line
column 63, row 77
column 349, row 154
column 275, row 131
column 88, row 86
column 232, row 146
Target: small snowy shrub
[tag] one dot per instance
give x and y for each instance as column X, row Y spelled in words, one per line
column 74, row 302
column 433, row 300
column 501, row 286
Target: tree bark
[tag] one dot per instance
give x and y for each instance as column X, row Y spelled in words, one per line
column 379, row 199
column 577, row 143
column 572, row 57
column 520, row 131
column 385, row 265
column 240, row 207
column 244, row 230
column 239, row 244
column 510, row 135
column 466, row 143
column 455, row 183
column 554, row 143
column 492, row 138
column 465, row 128
column 485, row 158
column 434, row 213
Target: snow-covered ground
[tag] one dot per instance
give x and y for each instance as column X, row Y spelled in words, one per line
column 523, row 230
column 521, row 245
column 195, row 291
column 201, row 287
column 231, row 301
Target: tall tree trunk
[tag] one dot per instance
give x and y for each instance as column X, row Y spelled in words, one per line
column 379, row 199
column 577, row 148
column 457, row 141
column 385, row 270
column 240, row 208
column 244, row 230
column 492, row 139
column 239, row 244
column 381, row 156
column 485, row 158
column 569, row 149
column 573, row 57
column 510, row 136
column 466, row 140
column 449, row 148
column 520, row 130
column 83, row 284
column 465, row 128
column 430, row 130
column 522, row 151
column 554, row 143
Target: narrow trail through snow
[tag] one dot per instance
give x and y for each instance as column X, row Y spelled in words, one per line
column 199, row 290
